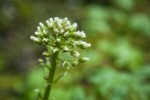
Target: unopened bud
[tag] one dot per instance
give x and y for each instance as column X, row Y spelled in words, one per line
column 86, row 45
column 42, row 25
column 39, row 29
column 58, row 40
column 45, row 32
column 83, row 59
column 39, row 34
column 79, row 34
column 55, row 50
column 66, row 33
column 41, row 60
column 83, row 44
column 66, row 49
column 45, row 40
column 45, row 53
column 47, row 21
column 51, row 19
column 36, row 39
column 74, row 63
column 82, row 34
column 73, row 27
column 75, row 53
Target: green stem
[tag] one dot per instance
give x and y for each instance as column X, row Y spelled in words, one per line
column 50, row 77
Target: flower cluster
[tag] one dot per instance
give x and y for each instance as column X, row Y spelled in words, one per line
column 60, row 35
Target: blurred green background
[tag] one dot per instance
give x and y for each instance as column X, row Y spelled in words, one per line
column 119, row 31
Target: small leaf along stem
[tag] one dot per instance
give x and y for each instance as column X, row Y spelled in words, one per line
column 51, row 76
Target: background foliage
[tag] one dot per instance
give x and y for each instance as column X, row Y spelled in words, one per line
column 119, row 31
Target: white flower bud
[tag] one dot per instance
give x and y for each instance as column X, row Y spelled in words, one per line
column 45, row 32
column 75, row 53
column 38, row 33
column 45, row 53
column 79, row 34
column 42, row 25
column 66, row 33
column 51, row 19
column 35, row 39
column 75, row 43
column 56, row 30
column 45, row 40
column 67, row 23
column 62, row 30
column 59, row 21
column 82, row 34
column 58, row 40
column 32, row 37
column 49, row 24
column 83, row 44
column 65, row 49
column 40, row 60
column 55, row 50
column 65, row 19
column 39, row 29
column 73, row 27
column 56, row 18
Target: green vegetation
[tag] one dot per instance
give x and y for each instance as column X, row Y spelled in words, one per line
column 119, row 31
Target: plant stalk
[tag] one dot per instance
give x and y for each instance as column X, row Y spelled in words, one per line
column 50, row 77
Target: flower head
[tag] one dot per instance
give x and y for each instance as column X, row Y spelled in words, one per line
column 60, row 35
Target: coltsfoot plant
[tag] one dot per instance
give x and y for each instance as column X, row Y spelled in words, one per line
column 59, row 36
